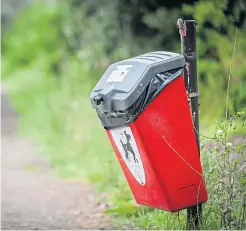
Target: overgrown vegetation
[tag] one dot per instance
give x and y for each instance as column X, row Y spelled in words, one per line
column 225, row 176
column 53, row 54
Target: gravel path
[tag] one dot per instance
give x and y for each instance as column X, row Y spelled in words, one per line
column 33, row 197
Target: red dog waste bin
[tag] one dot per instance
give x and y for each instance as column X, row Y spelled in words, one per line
column 143, row 105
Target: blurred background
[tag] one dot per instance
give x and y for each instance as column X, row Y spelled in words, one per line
column 54, row 52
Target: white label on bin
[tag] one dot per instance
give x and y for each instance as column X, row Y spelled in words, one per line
column 128, row 149
column 119, row 73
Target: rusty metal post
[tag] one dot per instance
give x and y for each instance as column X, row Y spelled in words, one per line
column 187, row 30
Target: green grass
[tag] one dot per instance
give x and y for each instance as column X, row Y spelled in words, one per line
column 33, row 168
column 59, row 117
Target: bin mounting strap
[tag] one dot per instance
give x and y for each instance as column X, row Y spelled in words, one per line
column 193, row 94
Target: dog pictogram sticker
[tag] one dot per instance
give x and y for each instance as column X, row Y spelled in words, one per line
column 125, row 142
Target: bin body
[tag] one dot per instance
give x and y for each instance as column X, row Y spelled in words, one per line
column 158, row 152
column 169, row 174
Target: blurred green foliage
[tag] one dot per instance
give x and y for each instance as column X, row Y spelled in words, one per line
column 215, row 48
column 53, row 54
column 99, row 34
column 34, row 37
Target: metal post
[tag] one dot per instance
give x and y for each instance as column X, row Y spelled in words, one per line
column 187, row 30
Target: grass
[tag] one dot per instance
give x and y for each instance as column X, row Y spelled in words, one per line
column 62, row 121
column 33, row 168
column 57, row 114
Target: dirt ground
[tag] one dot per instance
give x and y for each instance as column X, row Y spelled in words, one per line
column 35, row 198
